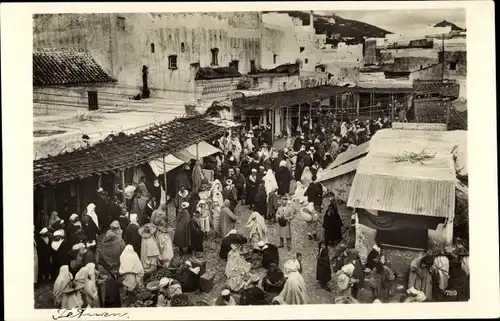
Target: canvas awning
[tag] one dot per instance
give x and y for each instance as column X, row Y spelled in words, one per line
column 204, row 150
column 171, row 162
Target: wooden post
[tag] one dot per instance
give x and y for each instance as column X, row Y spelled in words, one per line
column 197, row 153
column 342, row 105
column 300, row 122
column 392, row 107
column 165, row 178
column 123, row 189
column 447, row 102
column 273, row 116
column 371, row 104
column 357, row 103
column 78, row 205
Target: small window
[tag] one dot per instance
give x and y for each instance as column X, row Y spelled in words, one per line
column 302, row 49
column 306, row 61
column 183, row 48
column 275, row 56
column 284, row 85
column 215, row 56
column 453, row 66
column 255, row 82
column 172, row 62
column 252, row 66
column 152, row 48
column 323, row 69
column 120, row 23
column 234, row 64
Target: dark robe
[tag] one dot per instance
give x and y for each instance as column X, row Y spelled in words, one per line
column 317, row 157
column 276, row 278
column 225, row 246
column 44, row 252
column 189, row 281
column 299, row 168
column 90, row 230
column 270, row 255
column 268, row 137
column 114, row 212
column 254, row 165
column 111, row 297
column 239, row 184
column 182, row 179
column 370, row 260
column 59, row 258
column 308, row 161
column 102, row 211
column 251, row 190
column 459, row 280
column 76, row 236
column 131, row 236
column 323, row 269
column 196, row 236
column 314, row 193
column 245, row 167
column 155, row 192
column 253, row 296
column 332, row 223
column 182, row 238
column 123, row 220
column 327, row 160
column 359, row 275
column 283, row 178
column 261, row 201
column 297, row 143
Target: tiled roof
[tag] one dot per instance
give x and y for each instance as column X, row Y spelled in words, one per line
column 216, row 73
column 67, row 67
column 124, row 151
column 289, row 69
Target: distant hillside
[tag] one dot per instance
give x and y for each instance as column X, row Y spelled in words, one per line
column 342, row 27
column 445, row 23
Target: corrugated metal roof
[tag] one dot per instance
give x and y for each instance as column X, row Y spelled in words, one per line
column 403, row 195
column 426, row 188
column 329, row 174
column 350, row 154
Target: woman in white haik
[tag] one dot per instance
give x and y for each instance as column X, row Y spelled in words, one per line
column 91, row 212
column 204, row 219
column 131, row 269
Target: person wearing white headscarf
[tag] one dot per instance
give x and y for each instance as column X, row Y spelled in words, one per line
column 311, row 217
column 295, row 289
column 306, row 177
column 256, row 230
column 91, row 212
column 343, row 129
column 165, row 245
column 441, row 269
column 67, row 292
column 87, row 276
column 236, row 269
column 236, row 148
column 204, row 218
column 345, row 280
column 217, row 202
column 298, row 195
column 131, row 269
column 150, row 254
column 270, row 183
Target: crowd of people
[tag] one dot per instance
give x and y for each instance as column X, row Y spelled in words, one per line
column 279, row 186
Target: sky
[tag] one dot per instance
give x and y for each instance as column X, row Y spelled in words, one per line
column 397, row 21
